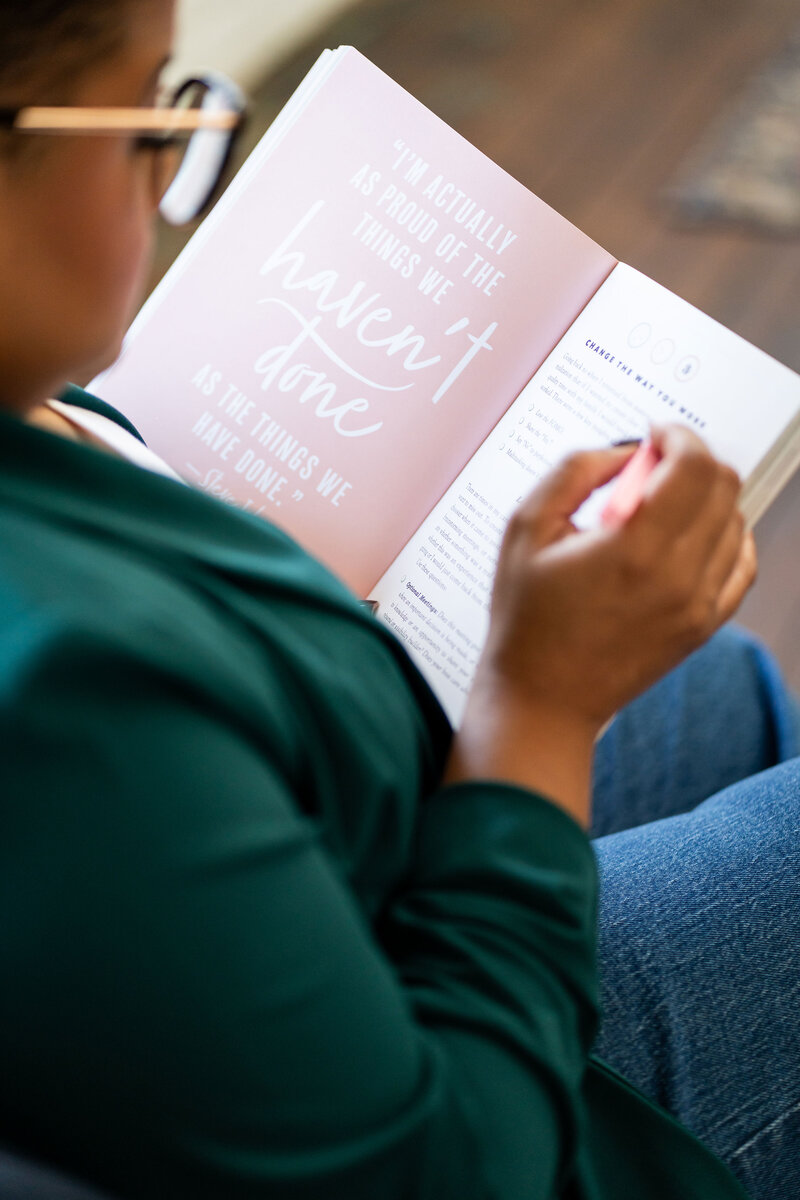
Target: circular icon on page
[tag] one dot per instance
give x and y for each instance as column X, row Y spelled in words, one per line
column 640, row 334
column 662, row 351
column 687, row 368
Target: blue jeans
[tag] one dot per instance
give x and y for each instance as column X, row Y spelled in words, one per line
column 700, row 906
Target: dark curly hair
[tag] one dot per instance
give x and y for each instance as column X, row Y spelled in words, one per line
column 51, row 42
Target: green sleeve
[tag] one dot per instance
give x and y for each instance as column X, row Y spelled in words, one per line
column 83, row 399
column 208, row 1010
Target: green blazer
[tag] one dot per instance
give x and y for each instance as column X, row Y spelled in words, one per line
column 249, row 945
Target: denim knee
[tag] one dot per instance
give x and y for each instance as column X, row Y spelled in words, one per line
column 699, row 948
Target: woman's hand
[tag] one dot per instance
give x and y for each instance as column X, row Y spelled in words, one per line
column 586, row 621
column 582, row 622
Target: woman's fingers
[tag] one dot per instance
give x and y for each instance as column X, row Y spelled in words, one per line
column 689, row 492
column 547, row 510
column 711, row 546
column 681, row 481
column 690, row 522
column 723, row 557
column 740, row 579
column 722, row 580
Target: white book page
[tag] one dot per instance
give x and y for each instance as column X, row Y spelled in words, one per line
column 636, row 355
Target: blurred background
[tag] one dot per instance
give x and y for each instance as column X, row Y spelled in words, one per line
column 667, row 130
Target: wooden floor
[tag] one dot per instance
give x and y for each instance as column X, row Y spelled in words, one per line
column 592, row 104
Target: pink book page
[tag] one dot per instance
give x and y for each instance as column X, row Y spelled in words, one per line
column 351, row 322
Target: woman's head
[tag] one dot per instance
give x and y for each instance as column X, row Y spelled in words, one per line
column 75, row 211
column 48, row 43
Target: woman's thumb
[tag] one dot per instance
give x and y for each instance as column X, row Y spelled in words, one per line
column 572, row 481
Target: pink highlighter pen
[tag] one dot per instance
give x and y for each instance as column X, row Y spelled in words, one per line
column 627, row 491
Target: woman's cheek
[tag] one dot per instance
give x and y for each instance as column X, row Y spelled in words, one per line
column 115, row 253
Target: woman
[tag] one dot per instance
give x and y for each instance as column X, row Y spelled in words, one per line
column 268, row 930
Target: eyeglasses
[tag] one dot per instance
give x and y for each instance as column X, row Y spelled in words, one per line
column 192, row 137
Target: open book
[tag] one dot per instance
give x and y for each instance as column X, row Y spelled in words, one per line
column 380, row 340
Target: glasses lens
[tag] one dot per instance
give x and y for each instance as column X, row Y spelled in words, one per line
column 196, row 172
